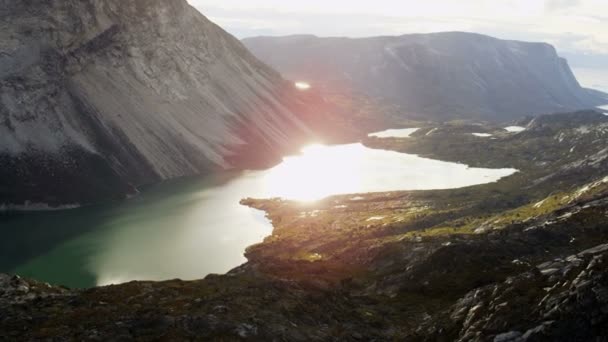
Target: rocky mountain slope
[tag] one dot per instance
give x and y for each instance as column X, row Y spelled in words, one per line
column 442, row 75
column 100, row 96
column 523, row 259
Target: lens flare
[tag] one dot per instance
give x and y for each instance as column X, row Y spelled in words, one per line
column 302, row 85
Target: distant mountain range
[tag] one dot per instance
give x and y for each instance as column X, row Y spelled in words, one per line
column 450, row 75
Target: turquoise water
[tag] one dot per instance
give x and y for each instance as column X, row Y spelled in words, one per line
column 189, row 228
column 176, row 229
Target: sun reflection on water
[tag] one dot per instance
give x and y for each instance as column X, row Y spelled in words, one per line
column 321, row 171
column 317, row 172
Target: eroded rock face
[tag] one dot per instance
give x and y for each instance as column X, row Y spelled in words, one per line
column 442, row 75
column 104, row 94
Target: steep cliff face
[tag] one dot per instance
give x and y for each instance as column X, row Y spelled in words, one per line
column 98, row 95
column 443, row 75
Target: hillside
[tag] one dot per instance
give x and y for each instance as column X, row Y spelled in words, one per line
column 100, row 97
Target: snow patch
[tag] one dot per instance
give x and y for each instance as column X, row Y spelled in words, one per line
column 583, row 130
column 394, row 133
column 515, row 129
column 482, row 135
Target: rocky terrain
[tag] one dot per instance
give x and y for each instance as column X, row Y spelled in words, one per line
column 523, row 259
column 100, row 97
column 440, row 76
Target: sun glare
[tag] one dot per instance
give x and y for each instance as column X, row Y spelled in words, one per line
column 316, row 173
column 320, row 171
column 302, row 85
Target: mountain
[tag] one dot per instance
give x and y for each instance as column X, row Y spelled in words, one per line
column 441, row 76
column 99, row 97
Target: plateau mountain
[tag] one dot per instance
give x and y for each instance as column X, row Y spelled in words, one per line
column 441, row 76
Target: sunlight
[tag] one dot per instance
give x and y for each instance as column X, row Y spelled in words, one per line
column 316, row 173
column 302, row 85
column 515, row 129
column 320, row 171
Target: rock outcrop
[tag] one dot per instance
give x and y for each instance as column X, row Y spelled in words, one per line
column 98, row 97
column 559, row 300
column 442, row 76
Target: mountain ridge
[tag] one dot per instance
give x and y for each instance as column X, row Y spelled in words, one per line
column 99, row 97
column 444, row 75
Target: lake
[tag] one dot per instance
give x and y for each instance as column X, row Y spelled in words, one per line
column 595, row 78
column 193, row 227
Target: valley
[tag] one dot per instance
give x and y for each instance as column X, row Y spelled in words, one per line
column 129, row 240
column 395, row 265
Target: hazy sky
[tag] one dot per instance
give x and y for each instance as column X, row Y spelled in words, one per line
column 574, row 26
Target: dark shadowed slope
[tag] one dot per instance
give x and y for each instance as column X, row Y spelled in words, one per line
column 99, row 95
column 443, row 75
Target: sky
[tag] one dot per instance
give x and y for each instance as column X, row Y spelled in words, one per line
column 577, row 28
